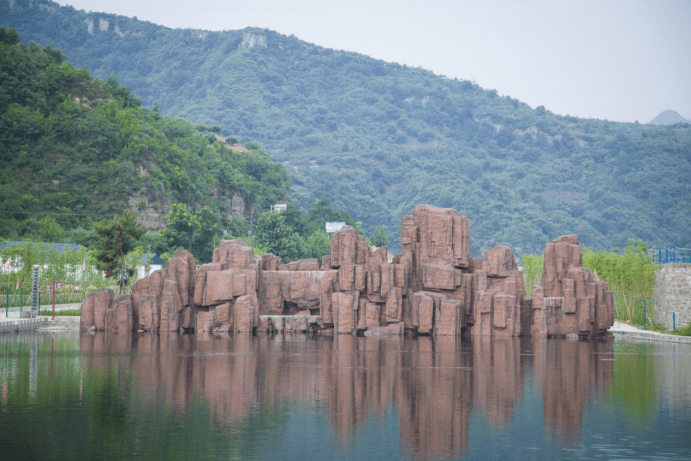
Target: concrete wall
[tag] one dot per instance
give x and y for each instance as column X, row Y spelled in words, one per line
column 673, row 294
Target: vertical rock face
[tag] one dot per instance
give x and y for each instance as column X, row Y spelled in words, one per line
column 432, row 287
column 498, row 295
column 94, row 309
column 570, row 301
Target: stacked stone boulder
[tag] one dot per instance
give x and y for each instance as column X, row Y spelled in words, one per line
column 162, row 301
column 433, row 287
column 225, row 290
column 570, row 301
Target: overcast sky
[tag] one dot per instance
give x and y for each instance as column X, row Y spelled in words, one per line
column 610, row 59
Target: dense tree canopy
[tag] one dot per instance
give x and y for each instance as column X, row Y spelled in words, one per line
column 80, row 148
column 377, row 138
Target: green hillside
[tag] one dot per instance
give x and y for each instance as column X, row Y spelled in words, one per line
column 378, row 138
column 75, row 149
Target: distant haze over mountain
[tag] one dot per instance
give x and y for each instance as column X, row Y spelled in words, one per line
column 668, row 117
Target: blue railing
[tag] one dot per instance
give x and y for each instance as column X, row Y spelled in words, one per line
column 671, row 255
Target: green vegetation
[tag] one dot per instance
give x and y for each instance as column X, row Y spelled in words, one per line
column 685, row 331
column 379, row 239
column 631, row 277
column 199, row 233
column 116, row 239
column 532, row 271
column 293, row 235
column 378, row 138
column 46, row 310
column 76, row 149
column 71, row 266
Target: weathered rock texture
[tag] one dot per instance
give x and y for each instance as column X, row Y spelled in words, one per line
column 432, row 287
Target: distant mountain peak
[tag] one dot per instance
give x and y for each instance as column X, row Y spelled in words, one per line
column 668, row 117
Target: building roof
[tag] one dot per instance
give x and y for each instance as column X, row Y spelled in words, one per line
column 152, row 258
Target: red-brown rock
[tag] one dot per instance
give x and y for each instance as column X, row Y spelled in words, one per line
column 246, row 313
column 301, row 265
column 94, row 308
column 347, row 246
column 270, row 262
column 431, row 287
column 148, row 313
column 119, row 316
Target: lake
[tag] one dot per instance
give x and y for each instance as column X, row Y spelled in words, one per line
column 201, row 396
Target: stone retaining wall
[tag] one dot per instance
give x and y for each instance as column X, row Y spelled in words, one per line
column 673, row 294
column 15, row 325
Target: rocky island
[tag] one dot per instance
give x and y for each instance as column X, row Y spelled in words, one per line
column 432, row 287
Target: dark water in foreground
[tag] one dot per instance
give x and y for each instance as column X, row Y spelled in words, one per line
column 244, row 397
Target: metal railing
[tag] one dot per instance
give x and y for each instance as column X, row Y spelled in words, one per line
column 637, row 311
column 671, row 255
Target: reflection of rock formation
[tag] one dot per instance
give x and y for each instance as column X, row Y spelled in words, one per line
column 432, row 287
column 571, row 373
column 436, row 396
column 498, row 383
column 434, row 382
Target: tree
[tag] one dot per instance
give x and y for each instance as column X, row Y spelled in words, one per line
column 321, row 212
column 379, row 239
column 116, row 238
column 317, row 245
column 197, row 233
column 294, row 218
column 238, row 227
column 9, row 36
column 273, row 233
column 49, row 230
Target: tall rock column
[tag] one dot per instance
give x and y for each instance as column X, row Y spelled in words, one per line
column 570, row 301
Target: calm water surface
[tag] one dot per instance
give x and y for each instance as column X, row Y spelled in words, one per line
column 143, row 396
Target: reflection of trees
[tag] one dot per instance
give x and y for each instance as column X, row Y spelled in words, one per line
column 634, row 381
column 206, row 392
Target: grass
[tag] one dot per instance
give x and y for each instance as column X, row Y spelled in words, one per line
column 685, row 331
column 49, row 311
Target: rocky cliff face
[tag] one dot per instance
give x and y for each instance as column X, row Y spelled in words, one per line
column 432, row 287
column 151, row 207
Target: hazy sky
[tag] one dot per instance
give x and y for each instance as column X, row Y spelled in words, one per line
column 610, row 59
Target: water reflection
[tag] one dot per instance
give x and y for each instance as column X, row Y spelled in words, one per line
column 107, row 396
column 434, row 383
column 571, row 374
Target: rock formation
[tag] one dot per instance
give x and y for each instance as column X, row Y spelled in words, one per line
column 433, row 287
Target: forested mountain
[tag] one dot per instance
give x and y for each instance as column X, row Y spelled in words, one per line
column 74, row 149
column 378, row 138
